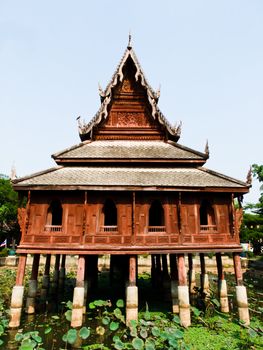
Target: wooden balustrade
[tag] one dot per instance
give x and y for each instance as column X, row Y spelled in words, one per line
column 156, row 229
column 53, row 228
column 208, row 228
column 108, row 228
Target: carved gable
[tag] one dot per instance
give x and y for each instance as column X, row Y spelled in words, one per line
column 129, row 111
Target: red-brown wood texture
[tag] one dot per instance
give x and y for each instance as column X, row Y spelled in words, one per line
column 82, row 227
column 21, row 269
column 129, row 115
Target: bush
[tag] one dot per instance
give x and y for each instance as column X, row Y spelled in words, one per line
column 4, row 252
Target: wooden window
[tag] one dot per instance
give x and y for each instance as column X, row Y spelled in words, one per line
column 110, row 217
column 156, row 217
column 54, row 217
column 207, row 217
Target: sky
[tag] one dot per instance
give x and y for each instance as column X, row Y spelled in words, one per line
column 207, row 57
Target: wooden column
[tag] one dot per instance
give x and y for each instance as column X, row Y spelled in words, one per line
column 78, row 296
column 174, row 283
column 132, row 270
column 17, row 293
column 158, row 270
column 32, row 286
column 183, row 293
column 222, row 285
column 238, row 269
column 153, row 270
column 191, row 273
column 166, row 279
column 62, row 272
column 204, row 277
column 46, row 278
column 132, row 292
column 241, row 292
column 54, row 283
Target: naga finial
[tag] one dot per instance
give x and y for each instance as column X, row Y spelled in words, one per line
column 178, row 128
column 158, row 92
column 101, row 93
column 249, row 176
column 207, row 148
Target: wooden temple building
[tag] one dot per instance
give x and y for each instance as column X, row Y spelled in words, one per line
column 129, row 188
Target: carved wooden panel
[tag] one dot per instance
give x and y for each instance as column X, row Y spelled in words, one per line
column 115, row 240
column 42, row 239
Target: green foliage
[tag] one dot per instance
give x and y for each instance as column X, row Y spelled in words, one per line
column 29, row 340
column 8, row 210
column 252, row 228
column 7, row 278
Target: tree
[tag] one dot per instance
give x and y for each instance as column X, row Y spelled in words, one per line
column 252, row 228
column 9, row 227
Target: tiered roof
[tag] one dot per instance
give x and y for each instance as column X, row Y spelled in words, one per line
column 126, row 163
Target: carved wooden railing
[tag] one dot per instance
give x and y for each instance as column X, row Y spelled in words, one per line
column 53, row 228
column 208, row 228
column 109, row 228
column 156, row 229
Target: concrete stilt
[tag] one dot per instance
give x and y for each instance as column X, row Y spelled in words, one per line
column 222, row 285
column 17, row 294
column 78, row 296
column 32, row 286
column 241, row 292
column 132, row 292
column 131, row 304
column 204, row 277
column 46, row 279
column 183, row 293
column 174, row 283
column 242, row 304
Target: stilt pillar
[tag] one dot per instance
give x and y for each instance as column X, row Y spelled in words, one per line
column 153, row 270
column 17, row 294
column 183, row 293
column 78, row 295
column 62, row 272
column 192, row 282
column 174, row 283
column 204, row 276
column 54, row 283
column 132, row 292
column 46, row 278
column 166, row 279
column 222, row 285
column 32, row 286
column 241, row 292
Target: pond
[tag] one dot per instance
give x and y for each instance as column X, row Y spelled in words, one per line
column 104, row 326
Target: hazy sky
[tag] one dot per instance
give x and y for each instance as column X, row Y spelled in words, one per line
column 206, row 55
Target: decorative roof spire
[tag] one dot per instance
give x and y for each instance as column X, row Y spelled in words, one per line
column 207, row 148
column 13, row 175
column 249, row 177
column 129, row 42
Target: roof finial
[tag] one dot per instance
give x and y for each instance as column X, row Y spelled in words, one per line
column 13, row 175
column 249, row 177
column 129, row 42
column 207, row 148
